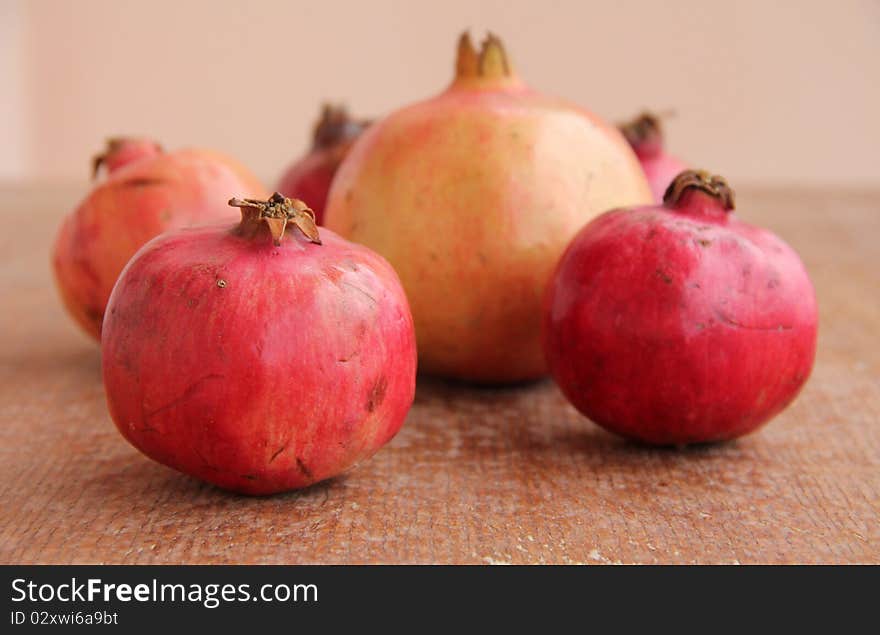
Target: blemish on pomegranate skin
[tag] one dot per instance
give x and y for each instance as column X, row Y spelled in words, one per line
column 377, row 394
column 303, row 468
column 729, row 321
column 363, row 292
column 277, row 452
column 142, row 182
column 187, row 394
column 704, row 242
column 221, row 283
column 663, row 276
column 359, row 340
column 332, row 273
column 350, row 264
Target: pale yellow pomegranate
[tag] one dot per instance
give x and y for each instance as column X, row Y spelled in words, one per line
column 473, row 196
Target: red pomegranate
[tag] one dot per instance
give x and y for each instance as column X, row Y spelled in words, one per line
column 254, row 360
column 472, row 196
column 645, row 135
column 310, row 176
column 680, row 323
column 146, row 192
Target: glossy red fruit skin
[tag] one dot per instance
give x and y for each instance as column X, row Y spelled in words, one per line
column 146, row 192
column 255, row 367
column 677, row 325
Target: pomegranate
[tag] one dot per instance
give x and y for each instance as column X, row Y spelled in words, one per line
column 254, row 361
column 680, row 323
column 646, row 137
column 309, row 177
column 146, row 192
column 472, row 196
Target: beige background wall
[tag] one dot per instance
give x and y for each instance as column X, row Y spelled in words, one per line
column 765, row 91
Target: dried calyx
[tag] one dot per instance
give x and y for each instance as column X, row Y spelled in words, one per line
column 121, row 150
column 336, row 126
column 490, row 62
column 276, row 213
column 712, row 184
column 643, row 132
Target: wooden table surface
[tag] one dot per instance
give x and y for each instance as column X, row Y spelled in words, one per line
column 509, row 475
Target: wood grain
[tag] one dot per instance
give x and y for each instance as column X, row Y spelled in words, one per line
column 477, row 475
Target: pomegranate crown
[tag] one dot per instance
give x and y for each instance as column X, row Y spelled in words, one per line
column 116, row 147
column 643, row 129
column 489, row 63
column 277, row 212
column 336, row 126
column 712, row 184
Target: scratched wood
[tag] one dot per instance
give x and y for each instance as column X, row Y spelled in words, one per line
column 477, row 475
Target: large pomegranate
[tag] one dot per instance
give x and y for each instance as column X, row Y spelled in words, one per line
column 309, row 177
column 146, row 192
column 645, row 135
column 680, row 323
column 255, row 360
column 472, row 196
